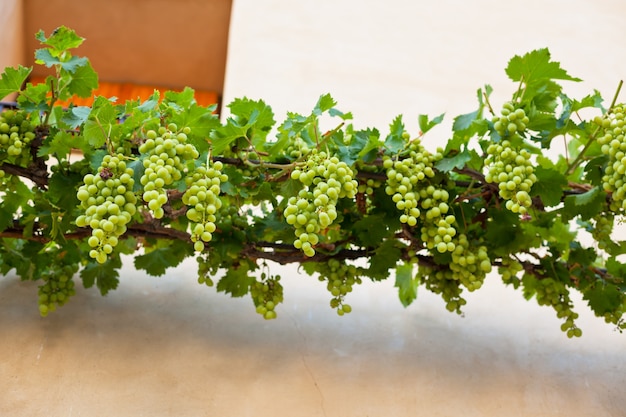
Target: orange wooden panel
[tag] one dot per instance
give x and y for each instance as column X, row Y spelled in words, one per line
column 130, row 91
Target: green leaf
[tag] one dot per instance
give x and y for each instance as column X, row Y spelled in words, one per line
column 166, row 255
column 426, row 124
column 535, row 66
column 84, row 81
column 236, row 282
column 603, row 298
column 394, row 141
column 549, row 186
column 406, row 284
column 384, row 259
column 12, row 80
column 371, row 230
column 104, row 276
column 102, row 120
column 45, row 57
column 61, row 39
column 585, row 205
column 457, row 161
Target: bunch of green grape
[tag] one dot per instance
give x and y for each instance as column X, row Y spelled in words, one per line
column 470, row 263
column 108, row 203
column 203, row 202
column 441, row 280
column 326, row 179
column 509, row 270
column 550, row 292
column 508, row 163
column 404, row 175
column 16, row 134
column 512, row 120
column 512, row 168
column 437, row 231
column 58, row 287
column 613, row 142
column 340, row 278
column 205, row 270
column 266, row 294
column 297, row 148
column 166, row 151
column 602, row 228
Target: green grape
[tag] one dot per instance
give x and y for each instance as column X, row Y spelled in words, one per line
column 108, row 204
column 404, row 175
column 165, row 153
column 297, row 148
column 340, row 278
column 57, row 288
column 437, row 231
column 613, row 144
column 602, row 228
column 441, row 281
column 205, row 270
column 325, row 180
column 553, row 293
column 16, row 135
column 509, row 270
column 266, row 294
column 509, row 165
column 470, row 263
column 512, row 120
column 512, row 168
column 203, row 202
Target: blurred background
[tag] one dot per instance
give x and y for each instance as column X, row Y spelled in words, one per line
column 168, row 347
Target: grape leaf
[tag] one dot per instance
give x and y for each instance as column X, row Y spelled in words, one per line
column 535, row 66
column 61, row 39
column 603, row 298
column 167, row 255
column 406, row 284
column 102, row 120
column 549, row 186
column 371, row 230
column 384, row 259
column 84, row 81
column 457, row 161
column 236, row 281
column 394, row 141
column 45, row 57
column 104, row 276
column 12, row 201
column 12, row 80
column 426, row 124
column 585, row 205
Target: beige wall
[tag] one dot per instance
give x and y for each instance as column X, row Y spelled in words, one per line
column 159, row 42
column 11, row 39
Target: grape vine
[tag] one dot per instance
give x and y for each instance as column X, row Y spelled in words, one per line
column 165, row 179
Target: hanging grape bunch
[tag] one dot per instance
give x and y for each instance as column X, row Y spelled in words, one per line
column 16, row 134
column 613, row 144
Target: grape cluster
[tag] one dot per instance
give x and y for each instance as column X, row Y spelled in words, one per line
column 109, row 203
column 550, row 292
column 266, row 294
column 325, row 180
column 613, row 142
column 403, row 176
column 202, row 198
column 437, row 230
column 602, row 229
column 340, row 278
column 511, row 120
column 512, row 169
column 16, row 134
column 205, row 270
column 441, row 280
column 297, row 148
column 57, row 288
column 509, row 270
column 166, row 152
column 470, row 263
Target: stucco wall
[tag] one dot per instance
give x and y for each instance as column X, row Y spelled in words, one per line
column 11, row 39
